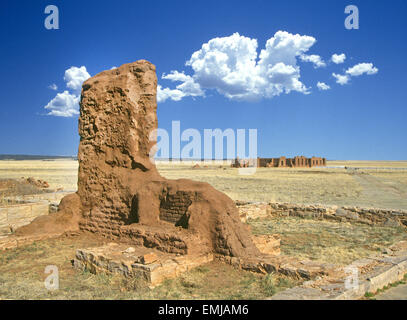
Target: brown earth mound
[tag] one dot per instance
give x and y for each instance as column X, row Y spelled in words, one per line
column 38, row 183
column 19, row 187
column 65, row 220
column 121, row 195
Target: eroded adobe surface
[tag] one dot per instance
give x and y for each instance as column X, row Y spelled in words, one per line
column 121, row 195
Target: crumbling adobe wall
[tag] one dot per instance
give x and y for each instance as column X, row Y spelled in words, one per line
column 122, row 195
column 117, row 114
column 297, row 162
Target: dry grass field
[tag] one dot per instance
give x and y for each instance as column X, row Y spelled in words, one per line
column 328, row 241
column 277, row 185
column 378, row 184
column 381, row 184
column 58, row 173
column 368, row 164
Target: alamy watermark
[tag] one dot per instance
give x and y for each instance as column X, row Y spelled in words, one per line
column 352, row 20
column 216, row 144
column 352, row 279
column 52, row 20
column 51, row 282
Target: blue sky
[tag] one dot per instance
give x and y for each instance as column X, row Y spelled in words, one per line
column 363, row 119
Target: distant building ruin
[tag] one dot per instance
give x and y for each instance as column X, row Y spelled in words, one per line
column 282, row 162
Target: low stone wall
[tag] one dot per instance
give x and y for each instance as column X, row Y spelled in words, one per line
column 268, row 243
column 253, row 210
column 48, row 196
column 11, row 241
column 285, row 265
column 361, row 276
column 151, row 265
column 24, row 209
column 370, row 216
column 15, row 216
column 155, row 266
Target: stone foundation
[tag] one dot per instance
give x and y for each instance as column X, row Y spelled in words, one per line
column 289, row 266
column 150, row 265
column 354, row 280
column 370, row 216
column 15, row 216
column 12, row 242
column 22, row 210
column 268, row 244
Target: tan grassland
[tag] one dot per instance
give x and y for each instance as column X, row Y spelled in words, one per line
column 383, row 184
column 58, row 173
column 328, row 241
column 365, row 164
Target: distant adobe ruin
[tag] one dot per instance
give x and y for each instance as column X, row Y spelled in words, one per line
column 298, row 161
column 282, row 162
column 120, row 193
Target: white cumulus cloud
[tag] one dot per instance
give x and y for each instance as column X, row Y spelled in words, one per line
column 355, row 71
column 323, row 86
column 235, row 69
column 66, row 104
column 315, row 59
column 342, row 79
column 362, row 68
column 53, row 87
column 167, row 93
column 74, row 77
column 338, row 58
column 187, row 87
